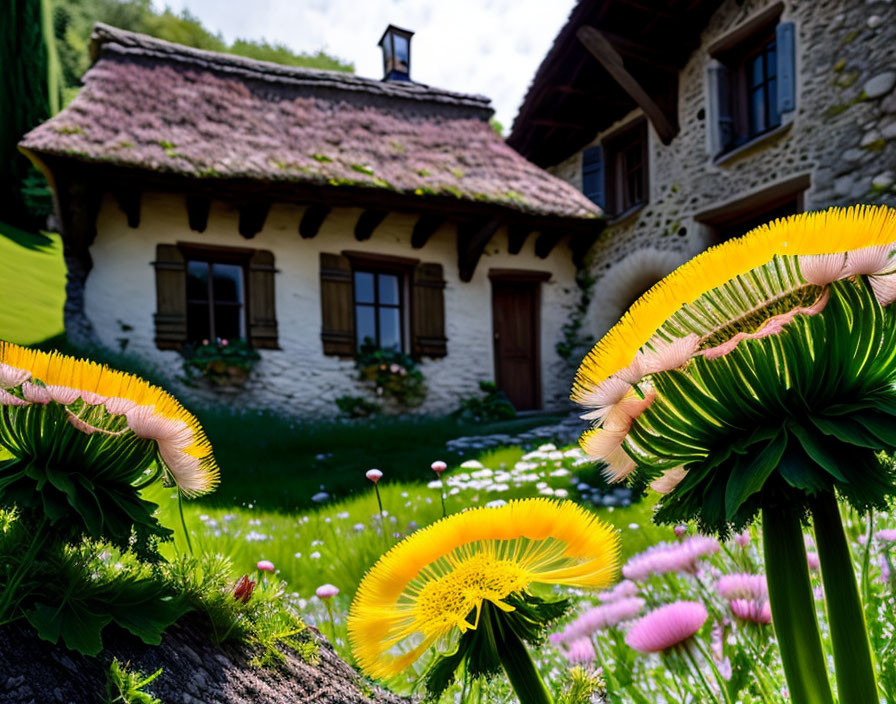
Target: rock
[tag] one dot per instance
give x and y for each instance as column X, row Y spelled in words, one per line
column 888, row 104
column 871, row 136
column 843, row 186
column 853, row 155
column 232, row 680
column 880, row 85
column 882, row 181
column 874, row 21
column 889, row 131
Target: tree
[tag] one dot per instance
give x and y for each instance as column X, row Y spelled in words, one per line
column 30, row 92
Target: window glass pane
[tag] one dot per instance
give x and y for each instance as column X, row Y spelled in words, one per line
column 365, row 325
column 771, row 62
column 390, row 328
column 228, row 321
column 197, row 281
column 773, row 117
column 363, row 287
column 227, row 284
column 756, row 73
column 388, row 288
column 402, row 49
column 757, row 111
column 197, row 322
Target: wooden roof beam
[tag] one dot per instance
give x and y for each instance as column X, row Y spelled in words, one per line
column 312, row 219
column 516, row 238
column 472, row 238
column 559, row 125
column 425, row 228
column 602, row 50
column 546, row 241
column 252, row 217
column 198, row 208
column 640, row 52
column 368, row 221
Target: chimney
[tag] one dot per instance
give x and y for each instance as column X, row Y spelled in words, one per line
column 396, row 45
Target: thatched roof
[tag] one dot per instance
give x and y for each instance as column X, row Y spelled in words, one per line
column 153, row 106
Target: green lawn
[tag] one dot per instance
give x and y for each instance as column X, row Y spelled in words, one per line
column 267, row 460
column 32, row 286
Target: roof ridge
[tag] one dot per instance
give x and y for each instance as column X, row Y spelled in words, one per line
column 106, row 38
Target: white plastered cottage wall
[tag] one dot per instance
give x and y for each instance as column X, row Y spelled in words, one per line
column 842, row 136
column 120, row 300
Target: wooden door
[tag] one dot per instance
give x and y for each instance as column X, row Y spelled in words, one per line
column 515, row 319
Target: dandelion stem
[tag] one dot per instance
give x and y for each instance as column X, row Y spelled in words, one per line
column 442, row 496
column 521, row 672
column 793, row 609
column 849, row 634
column 379, row 502
column 183, row 522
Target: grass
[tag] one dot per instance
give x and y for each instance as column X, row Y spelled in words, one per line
column 288, row 461
column 338, row 542
column 32, row 285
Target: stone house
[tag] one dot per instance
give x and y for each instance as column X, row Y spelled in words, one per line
column 206, row 196
column 689, row 123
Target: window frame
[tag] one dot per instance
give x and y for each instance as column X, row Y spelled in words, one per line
column 211, row 255
column 619, row 198
column 376, row 264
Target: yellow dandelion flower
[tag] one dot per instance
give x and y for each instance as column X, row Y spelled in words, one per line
column 809, row 234
column 433, row 586
column 178, row 434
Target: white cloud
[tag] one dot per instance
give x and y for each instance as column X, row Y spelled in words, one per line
column 491, row 47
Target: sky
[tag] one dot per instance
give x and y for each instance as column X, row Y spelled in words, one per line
column 490, row 47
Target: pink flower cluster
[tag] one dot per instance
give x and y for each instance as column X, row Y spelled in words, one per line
column 667, row 626
column 600, row 618
column 665, row 558
column 747, row 596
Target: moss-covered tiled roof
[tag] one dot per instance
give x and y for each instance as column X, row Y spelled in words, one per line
column 157, row 106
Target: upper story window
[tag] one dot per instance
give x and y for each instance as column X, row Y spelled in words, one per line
column 614, row 174
column 215, row 300
column 752, row 81
column 378, row 310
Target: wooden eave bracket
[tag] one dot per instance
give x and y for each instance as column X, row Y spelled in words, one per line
column 312, row 219
column 601, row 49
column 368, row 221
column 472, row 238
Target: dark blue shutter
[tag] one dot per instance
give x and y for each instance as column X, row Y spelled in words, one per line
column 785, row 39
column 593, row 176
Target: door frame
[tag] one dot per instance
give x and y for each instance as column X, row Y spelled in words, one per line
column 534, row 278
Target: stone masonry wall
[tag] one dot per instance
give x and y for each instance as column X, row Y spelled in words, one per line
column 120, row 301
column 843, row 136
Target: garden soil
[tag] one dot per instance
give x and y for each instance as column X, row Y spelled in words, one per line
column 194, row 671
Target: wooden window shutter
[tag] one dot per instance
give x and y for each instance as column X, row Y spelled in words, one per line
column 170, row 318
column 593, row 176
column 721, row 122
column 337, row 306
column 262, row 310
column 428, row 312
column 785, row 40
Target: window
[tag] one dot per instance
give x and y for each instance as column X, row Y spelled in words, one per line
column 593, row 175
column 378, row 309
column 205, row 292
column 752, row 81
column 626, row 158
column 215, row 300
column 388, row 301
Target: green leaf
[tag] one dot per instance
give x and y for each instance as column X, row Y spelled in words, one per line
column 148, row 619
column 880, row 425
column 846, row 430
column 802, row 473
column 816, row 446
column 79, row 628
column 750, row 473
